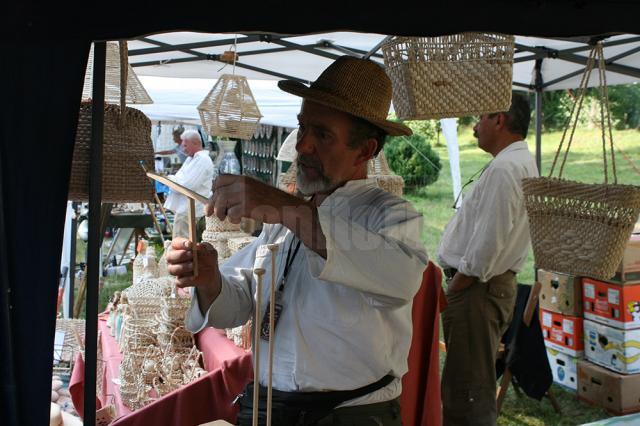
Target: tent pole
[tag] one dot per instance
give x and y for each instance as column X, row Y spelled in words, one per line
column 72, row 258
column 538, row 86
column 95, row 225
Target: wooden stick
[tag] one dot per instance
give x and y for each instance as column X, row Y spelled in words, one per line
column 193, row 235
column 155, row 222
column 164, row 213
column 272, row 327
column 178, row 188
column 256, row 351
column 532, row 302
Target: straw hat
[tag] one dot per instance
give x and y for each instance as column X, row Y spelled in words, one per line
column 359, row 87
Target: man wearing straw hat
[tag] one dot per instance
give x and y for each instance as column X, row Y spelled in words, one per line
column 348, row 263
column 482, row 248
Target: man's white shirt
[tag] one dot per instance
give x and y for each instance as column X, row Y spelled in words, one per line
column 489, row 235
column 196, row 174
column 346, row 320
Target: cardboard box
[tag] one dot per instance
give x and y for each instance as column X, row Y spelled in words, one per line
column 612, row 347
column 616, row 393
column 562, row 332
column 629, row 270
column 560, row 293
column 611, row 304
column 564, row 369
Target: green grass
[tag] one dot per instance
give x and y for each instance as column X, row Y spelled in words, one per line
column 584, row 164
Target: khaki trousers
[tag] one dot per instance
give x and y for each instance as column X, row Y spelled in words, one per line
column 473, row 323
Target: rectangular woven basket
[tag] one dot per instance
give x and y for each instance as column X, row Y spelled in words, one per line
column 578, row 228
column 449, row 76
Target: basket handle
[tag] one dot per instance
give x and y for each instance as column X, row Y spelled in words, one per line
column 596, row 54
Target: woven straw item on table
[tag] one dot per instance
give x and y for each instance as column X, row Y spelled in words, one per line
column 236, row 244
column 150, row 287
column 67, row 351
column 379, row 169
column 219, row 241
column 229, row 109
column 449, row 76
column 175, row 308
column 578, row 228
column 213, row 224
column 137, row 334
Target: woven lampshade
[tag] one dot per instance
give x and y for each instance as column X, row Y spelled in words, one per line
column 230, row 110
column 136, row 93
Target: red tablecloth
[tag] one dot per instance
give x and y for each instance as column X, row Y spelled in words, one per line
column 210, row 397
column 203, row 400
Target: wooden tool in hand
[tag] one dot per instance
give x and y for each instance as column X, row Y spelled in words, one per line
column 193, row 197
column 272, row 312
column 256, row 345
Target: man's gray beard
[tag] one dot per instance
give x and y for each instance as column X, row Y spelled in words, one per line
column 310, row 187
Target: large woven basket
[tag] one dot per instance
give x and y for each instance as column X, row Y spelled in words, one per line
column 577, row 228
column 126, row 142
column 125, row 145
column 581, row 228
column 378, row 168
column 449, row 76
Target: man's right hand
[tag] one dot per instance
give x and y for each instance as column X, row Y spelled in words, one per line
column 180, row 264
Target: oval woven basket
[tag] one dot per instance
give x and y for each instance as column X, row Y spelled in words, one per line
column 124, row 146
column 449, row 76
column 578, row 228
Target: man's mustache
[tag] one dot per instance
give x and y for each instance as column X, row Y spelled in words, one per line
column 309, row 161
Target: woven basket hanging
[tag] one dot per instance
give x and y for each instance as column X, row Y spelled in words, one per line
column 578, row 228
column 229, row 110
column 135, row 93
column 127, row 141
column 387, row 180
column 449, row 76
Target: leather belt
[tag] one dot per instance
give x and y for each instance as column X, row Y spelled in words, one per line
column 449, row 273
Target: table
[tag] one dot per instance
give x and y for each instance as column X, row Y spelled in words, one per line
column 205, row 399
column 230, row 369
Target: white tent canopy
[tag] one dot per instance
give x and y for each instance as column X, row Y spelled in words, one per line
column 193, row 58
column 275, row 57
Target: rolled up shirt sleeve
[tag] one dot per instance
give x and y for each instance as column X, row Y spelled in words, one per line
column 385, row 262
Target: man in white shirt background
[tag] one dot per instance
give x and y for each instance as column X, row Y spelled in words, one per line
column 196, row 174
column 349, row 262
column 482, row 249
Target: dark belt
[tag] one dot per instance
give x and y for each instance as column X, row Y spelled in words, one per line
column 449, row 273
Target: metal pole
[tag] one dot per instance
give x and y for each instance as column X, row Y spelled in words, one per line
column 538, row 86
column 95, row 239
column 72, row 258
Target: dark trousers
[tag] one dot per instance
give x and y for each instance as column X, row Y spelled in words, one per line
column 379, row 414
column 473, row 323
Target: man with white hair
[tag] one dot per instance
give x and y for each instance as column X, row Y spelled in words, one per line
column 196, row 174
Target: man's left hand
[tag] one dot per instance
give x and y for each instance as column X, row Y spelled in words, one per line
column 235, row 197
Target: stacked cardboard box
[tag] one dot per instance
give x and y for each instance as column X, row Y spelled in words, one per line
column 612, row 337
column 561, row 321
